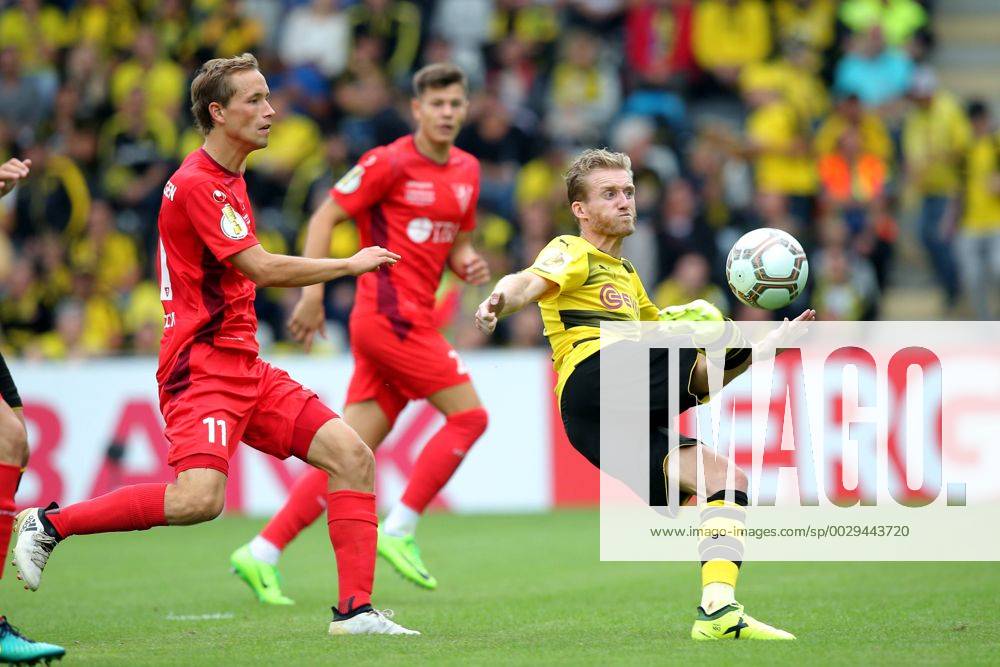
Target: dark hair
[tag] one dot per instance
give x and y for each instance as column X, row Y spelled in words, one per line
column 977, row 109
column 438, row 75
column 213, row 83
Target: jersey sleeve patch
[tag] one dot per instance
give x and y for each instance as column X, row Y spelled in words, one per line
column 351, row 181
column 233, row 224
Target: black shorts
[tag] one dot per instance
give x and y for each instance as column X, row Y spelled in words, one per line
column 8, row 390
column 580, row 408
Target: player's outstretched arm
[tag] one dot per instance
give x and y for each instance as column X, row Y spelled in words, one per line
column 269, row 270
column 308, row 316
column 512, row 293
column 11, row 172
column 468, row 264
column 786, row 332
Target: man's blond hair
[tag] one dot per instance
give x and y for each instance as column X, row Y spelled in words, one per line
column 591, row 160
column 213, row 83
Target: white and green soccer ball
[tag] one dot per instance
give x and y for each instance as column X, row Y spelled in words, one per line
column 767, row 268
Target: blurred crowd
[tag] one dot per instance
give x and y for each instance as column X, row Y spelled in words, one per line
column 815, row 116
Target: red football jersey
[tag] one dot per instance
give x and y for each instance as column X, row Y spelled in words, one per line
column 405, row 202
column 205, row 218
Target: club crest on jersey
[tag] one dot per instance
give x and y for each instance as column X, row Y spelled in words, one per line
column 351, row 181
column 463, row 193
column 219, row 196
column 232, row 224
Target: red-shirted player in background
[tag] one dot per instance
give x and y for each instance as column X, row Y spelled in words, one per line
column 214, row 389
column 416, row 196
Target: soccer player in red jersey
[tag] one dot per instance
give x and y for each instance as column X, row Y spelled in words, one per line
column 214, row 389
column 416, row 196
column 14, row 647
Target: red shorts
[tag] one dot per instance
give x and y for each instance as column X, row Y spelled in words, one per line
column 232, row 397
column 392, row 371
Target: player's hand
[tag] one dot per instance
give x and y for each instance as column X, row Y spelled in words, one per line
column 787, row 333
column 476, row 271
column 11, row 172
column 371, row 259
column 488, row 313
column 307, row 320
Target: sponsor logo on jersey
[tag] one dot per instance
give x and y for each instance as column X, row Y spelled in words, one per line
column 613, row 299
column 463, row 193
column 233, row 225
column 219, row 196
column 169, row 190
column 419, row 193
column 419, row 229
column 351, row 181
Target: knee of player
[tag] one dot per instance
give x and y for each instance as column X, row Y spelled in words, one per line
column 473, row 422
column 13, row 440
column 198, row 503
column 343, row 454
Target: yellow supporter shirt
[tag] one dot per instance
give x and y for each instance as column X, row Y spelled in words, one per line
column 731, row 36
column 775, row 127
column 982, row 201
column 593, row 287
column 164, row 84
column 933, row 141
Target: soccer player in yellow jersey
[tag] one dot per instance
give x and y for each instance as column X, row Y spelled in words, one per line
column 580, row 281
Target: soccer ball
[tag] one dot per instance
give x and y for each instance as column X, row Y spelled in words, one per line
column 767, row 268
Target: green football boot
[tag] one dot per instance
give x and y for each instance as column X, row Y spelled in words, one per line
column 731, row 622
column 17, row 649
column 404, row 555
column 263, row 579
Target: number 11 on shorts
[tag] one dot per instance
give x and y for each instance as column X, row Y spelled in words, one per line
column 211, row 422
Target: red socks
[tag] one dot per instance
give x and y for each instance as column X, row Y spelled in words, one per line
column 442, row 455
column 353, row 533
column 10, row 475
column 137, row 507
column 303, row 506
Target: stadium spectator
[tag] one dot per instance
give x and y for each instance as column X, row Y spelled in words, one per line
column 729, row 35
column 107, row 25
column 682, row 229
column 56, row 197
column 161, row 79
column 878, row 75
column 24, row 105
column 465, row 26
column 658, row 48
column 978, row 242
column 316, row 34
column 898, row 19
column 813, row 22
column 395, row 26
column 852, row 180
column 584, row 92
column 936, row 135
column 690, row 280
column 38, row 30
column 850, row 113
column 777, row 138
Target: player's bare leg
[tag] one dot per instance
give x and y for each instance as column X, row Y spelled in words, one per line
column 343, row 455
column 465, row 421
column 256, row 562
column 196, row 496
column 720, row 616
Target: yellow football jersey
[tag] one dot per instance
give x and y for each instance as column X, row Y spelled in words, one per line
column 593, row 287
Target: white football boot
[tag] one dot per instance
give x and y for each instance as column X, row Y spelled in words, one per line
column 33, row 548
column 372, row 622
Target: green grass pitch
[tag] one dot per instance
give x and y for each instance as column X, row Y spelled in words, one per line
column 514, row 589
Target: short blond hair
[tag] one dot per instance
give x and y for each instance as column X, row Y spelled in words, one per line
column 591, row 160
column 213, row 83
